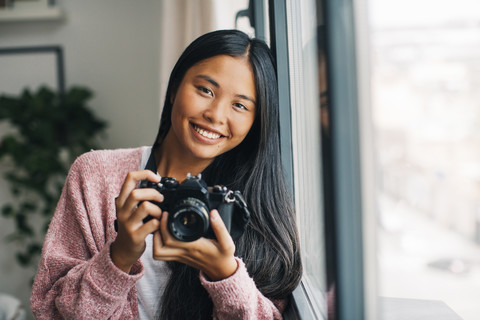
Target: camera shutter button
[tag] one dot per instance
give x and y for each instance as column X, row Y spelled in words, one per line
column 170, row 183
column 219, row 189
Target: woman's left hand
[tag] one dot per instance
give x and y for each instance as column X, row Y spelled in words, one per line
column 214, row 257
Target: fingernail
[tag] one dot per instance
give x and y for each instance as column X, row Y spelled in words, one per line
column 214, row 215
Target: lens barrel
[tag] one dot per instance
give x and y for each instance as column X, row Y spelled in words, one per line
column 189, row 220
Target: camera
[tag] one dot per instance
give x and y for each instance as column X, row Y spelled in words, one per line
column 189, row 204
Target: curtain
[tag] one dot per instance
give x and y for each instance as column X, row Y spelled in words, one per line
column 182, row 21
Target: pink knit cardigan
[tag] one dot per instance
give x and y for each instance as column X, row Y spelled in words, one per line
column 76, row 278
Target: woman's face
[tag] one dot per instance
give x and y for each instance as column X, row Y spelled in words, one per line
column 214, row 107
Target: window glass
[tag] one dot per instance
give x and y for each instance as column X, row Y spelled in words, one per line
column 425, row 62
column 306, row 143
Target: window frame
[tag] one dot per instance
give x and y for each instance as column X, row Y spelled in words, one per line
column 346, row 219
column 279, row 46
column 347, row 215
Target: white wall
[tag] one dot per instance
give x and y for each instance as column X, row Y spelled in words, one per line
column 111, row 46
column 123, row 50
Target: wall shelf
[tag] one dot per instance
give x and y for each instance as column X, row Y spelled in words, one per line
column 38, row 14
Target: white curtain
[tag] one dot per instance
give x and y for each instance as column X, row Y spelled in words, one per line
column 182, row 21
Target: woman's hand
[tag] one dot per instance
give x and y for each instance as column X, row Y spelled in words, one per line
column 130, row 242
column 214, row 257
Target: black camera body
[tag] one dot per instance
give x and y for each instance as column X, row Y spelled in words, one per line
column 189, row 204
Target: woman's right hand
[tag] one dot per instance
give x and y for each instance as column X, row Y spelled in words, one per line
column 129, row 245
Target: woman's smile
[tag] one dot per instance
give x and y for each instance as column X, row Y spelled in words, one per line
column 208, row 134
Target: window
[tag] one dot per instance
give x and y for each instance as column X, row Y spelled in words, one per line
column 304, row 65
column 315, row 48
column 393, row 176
column 322, row 162
column 426, row 115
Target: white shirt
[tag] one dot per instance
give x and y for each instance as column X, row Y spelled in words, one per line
column 152, row 284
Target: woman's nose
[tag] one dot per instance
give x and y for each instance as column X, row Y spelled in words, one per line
column 216, row 112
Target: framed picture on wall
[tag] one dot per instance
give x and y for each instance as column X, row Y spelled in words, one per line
column 31, row 67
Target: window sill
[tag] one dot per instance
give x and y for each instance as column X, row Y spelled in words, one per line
column 399, row 308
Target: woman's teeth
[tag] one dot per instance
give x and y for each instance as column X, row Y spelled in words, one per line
column 207, row 134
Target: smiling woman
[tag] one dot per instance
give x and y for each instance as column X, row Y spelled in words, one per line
column 221, row 96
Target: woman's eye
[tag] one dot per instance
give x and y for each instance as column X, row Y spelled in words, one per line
column 240, row 106
column 205, row 90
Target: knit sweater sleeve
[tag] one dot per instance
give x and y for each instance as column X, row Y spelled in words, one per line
column 76, row 278
column 237, row 297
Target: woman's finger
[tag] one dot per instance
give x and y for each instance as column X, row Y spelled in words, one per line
column 148, row 227
column 167, row 239
column 165, row 247
column 220, row 230
column 160, row 251
column 145, row 209
column 139, row 195
column 131, row 182
column 157, row 239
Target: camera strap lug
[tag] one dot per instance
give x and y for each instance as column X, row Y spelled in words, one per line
column 230, row 197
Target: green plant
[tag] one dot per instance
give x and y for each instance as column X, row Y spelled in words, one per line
column 48, row 131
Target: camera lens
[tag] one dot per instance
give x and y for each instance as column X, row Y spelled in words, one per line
column 189, row 220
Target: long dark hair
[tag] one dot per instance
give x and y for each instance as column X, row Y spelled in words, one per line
column 270, row 245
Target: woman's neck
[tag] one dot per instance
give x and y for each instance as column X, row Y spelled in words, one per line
column 172, row 162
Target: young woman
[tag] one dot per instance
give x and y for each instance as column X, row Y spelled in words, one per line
column 219, row 119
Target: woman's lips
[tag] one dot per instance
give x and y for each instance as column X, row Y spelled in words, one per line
column 206, row 135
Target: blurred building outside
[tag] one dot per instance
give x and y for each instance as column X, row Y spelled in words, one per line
column 426, row 113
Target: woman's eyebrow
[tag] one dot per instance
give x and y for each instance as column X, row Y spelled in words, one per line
column 209, row 79
column 242, row 96
column 215, row 83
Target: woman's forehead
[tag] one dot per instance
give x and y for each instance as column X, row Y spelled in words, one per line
column 235, row 73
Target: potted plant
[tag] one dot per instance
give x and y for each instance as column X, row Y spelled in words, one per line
column 48, row 131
